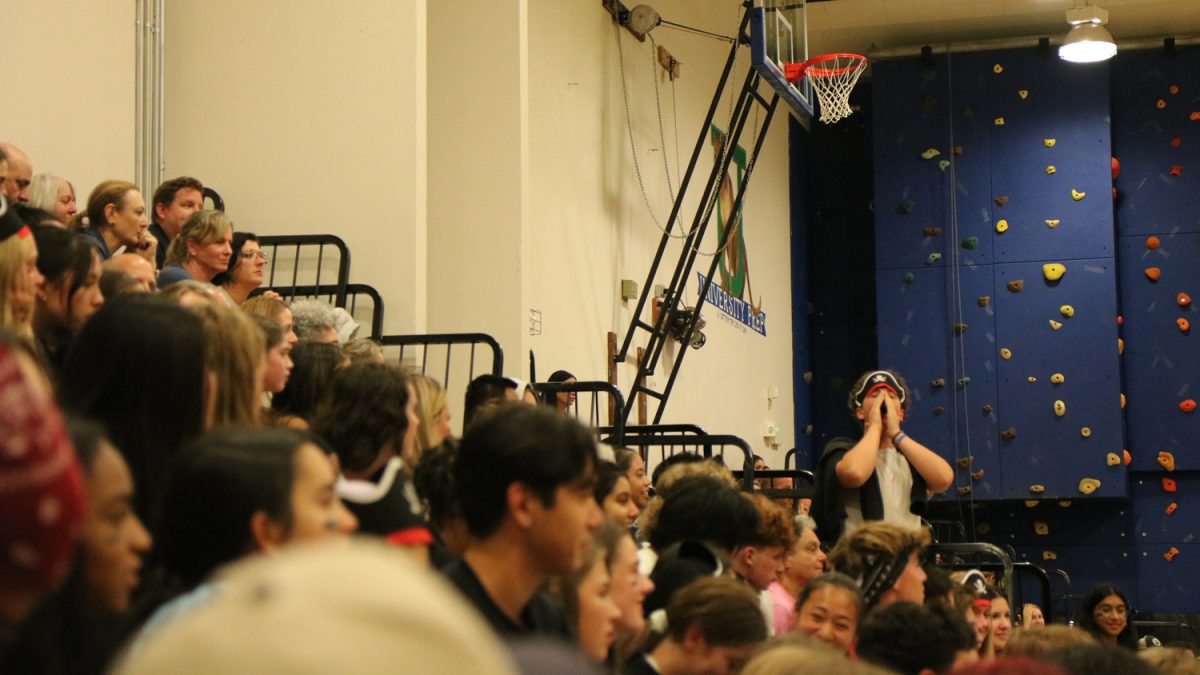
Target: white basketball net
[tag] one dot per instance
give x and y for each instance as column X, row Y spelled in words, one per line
column 833, row 79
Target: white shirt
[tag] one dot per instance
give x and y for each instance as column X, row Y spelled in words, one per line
column 895, row 488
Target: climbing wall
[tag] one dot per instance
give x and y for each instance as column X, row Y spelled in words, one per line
column 995, row 269
column 1156, row 137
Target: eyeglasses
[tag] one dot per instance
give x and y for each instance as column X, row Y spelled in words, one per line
column 1105, row 610
column 251, row 255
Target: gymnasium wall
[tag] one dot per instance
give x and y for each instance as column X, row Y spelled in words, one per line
column 988, row 168
column 70, row 100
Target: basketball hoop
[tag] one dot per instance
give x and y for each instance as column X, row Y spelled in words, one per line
column 832, row 76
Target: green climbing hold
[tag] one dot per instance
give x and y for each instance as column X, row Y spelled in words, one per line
column 963, row 381
column 932, row 258
column 970, row 242
column 943, row 164
column 906, row 206
column 908, row 277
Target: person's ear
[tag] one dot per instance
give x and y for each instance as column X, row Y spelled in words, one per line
column 860, row 413
column 519, row 499
column 268, row 535
column 110, row 212
column 694, row 639
column 160, row 210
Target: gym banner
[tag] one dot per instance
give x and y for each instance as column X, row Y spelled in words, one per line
column 735, row 308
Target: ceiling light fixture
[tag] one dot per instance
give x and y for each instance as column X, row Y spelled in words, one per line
column 1087, row 41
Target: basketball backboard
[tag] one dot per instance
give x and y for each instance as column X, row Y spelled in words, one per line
column 779, row 35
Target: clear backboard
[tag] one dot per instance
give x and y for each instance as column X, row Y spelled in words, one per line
column 778, row 36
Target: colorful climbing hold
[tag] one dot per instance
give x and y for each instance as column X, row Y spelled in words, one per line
column 930, row 153
column 1120, row 346
column 1009, row 433
column 1112, row 459
column 1023, row 93
column 943, row 164
column 1122, row 400
column 1057, row 378
column 1195, row 116
column 908, row 277
column 932, row 258
column 1060, row 408
column 999, row 121
column 1052, row 222
column 906, row 206
column 1153, row 273
column 1016, row 285
column 1126, row 458
column 1066, row 503
column 1166, row 460
column 1049, row 555
column 1050, row 169
column 1120, row 320
column 1183, row 299
column 1184, row 325
column 1176, row 142
column 1037, row 489
column 1077, row 195
column 1086, row 432
column 1170, row 554
column 1031, row 379
column 1001, row 226
column 1005, row 353
column 938, row 383
column 997, row 69
column 1152, row 242
column 1174, row 89
column 1171, row 508
column 964, row 490
column 1160, row 104
column 1053, row 271
column 1187, row 405
column 987, row 408
column 983, row 300
column 1168, row 485
column 965, row 462
column 1067, row 311
column 1055, row 324
column 960, row 328
column 1040, row 527
column 1176, row 170
column 939, row 410
column 970, row 242
column 977, row 475
column 1001, row 200
column 1089, row 485
column 1049, row 142
column 931, row 231
column 958, row 149
column 962, row 382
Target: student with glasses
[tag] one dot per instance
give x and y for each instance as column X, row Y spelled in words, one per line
column 244, row 273
column 1105, row 614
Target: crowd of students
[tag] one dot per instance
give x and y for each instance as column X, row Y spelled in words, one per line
column 195, row 478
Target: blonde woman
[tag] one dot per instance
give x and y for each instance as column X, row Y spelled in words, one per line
column 201, row 251
column 235, row 360
column 20, row 280
column 433, row 410
column 116, row 218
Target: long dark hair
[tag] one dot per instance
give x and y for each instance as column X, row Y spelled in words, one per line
column 366, row 409
column 63, row 256
column 239, row 242
column 313, row 366
column 1087, row 620
column 137, row 368
column 217, row 484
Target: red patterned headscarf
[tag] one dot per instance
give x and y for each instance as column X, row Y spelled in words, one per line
column 41, row 485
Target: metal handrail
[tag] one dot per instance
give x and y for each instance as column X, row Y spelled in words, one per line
column 981, row 549
column 352, row 292
column 299, row 241
column 449, row 340
column 594, row 387
column 706, row 443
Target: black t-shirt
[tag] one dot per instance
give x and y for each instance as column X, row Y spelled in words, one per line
column 542, row 616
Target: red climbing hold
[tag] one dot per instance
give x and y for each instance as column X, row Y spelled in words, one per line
column 1195, row 117
column 1170, row 554
column 1183, row 299
column 1153, row 273
column 1174, row 89
column 1184, row 325
column 1120, row 320
column 1152, row 242
column 1116, row 168
column 1171, row 508
column 1176, row 142
column 1176, row 170
column 1160, row 104
column 1187, row 405
column 1168, row 484
column 1126, row 458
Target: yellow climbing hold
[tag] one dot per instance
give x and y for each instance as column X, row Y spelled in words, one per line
column 1055, row 324
column 1086, row 432
column 1122, row 401
column 1052, row 222
column 1057, row 378
column 1112, row 459
column 1066, row 503
column 1031, row 503
column 999, row 121
column 1077, row 195
column 1120, row 346
column 930, row 153
column 1005, row 353
column 1032, row 378
column 1088, row 485
column 1067, row 311
column 1001, row 226
column 1023, row 93
column 1049, row 555
column 1049, row 142
column 1060, row 408
column 997, row 69
column 1053, row 271
column 1040, row 527
column 1050, row 169
column 1037, row 489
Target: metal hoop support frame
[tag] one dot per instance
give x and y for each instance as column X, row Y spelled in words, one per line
column 833, row 77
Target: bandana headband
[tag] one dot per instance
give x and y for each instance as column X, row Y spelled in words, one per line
column 883, row 574
column 875, row 380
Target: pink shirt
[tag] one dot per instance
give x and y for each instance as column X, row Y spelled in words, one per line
column 785, row 608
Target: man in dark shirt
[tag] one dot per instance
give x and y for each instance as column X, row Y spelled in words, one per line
column 174, row 201
column 523, row 479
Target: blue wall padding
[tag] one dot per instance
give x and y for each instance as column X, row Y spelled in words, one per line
column 1161, row 362
column 1150, row 199
column 801, row 350
column 916, row 340
column 956, row 102
column 1050, row 450
column 1152, row 524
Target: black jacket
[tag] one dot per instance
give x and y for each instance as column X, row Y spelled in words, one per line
column 828, row 506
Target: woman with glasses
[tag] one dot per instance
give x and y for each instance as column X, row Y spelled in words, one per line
column 1105, row 614
column 245, row 270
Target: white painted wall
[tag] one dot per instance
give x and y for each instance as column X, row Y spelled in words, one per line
column 309, row 117
column 69, row 91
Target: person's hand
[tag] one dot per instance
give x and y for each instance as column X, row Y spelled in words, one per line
column 874, row 414
column 272, row 295
column 892, row 419
column 147, row 247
